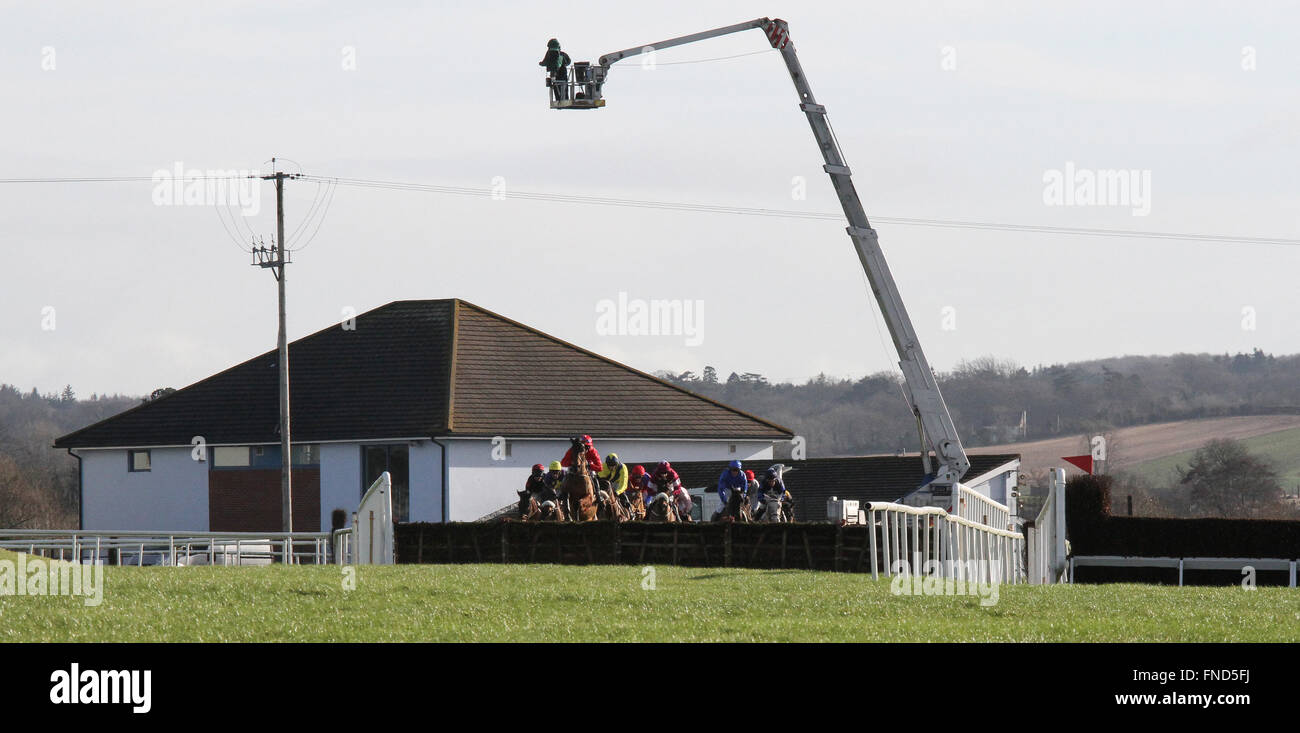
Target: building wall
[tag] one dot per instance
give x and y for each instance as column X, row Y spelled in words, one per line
column 426, row 482
column 340, row 480
column 173, row 495
column 481, row 484
column 999, row 489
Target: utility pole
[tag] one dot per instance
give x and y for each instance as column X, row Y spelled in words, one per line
column 275, row 259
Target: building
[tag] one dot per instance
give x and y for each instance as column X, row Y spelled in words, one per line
column 812, row 482
column 455, row 401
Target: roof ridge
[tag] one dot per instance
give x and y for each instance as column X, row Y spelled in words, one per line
column 619, row 364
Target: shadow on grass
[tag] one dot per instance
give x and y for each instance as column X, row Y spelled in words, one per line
column 712, row 576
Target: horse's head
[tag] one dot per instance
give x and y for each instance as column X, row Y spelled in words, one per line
column 579, row 452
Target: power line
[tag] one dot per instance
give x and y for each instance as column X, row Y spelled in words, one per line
column 705, row 61
column 117, row 179
column 716, row 208
column 813, row 215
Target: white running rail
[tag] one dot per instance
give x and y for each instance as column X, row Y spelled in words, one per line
column 182, row 548
column 928, row 540
column 977, row 507
column 1048, row 550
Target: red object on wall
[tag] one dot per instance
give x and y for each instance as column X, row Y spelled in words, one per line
column 249, row 500
column 1084, row 462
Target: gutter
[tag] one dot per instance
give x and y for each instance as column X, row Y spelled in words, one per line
column 446, row 489
column 81, row 492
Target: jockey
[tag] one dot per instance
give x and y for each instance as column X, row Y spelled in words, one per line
column 614, row 472
column 664, row 474
column 683, row 502
column 773, row 487
column 647, row 487
column 752, row 490
column 772, row 483
column 554, row 477
column 732, row 479
column 537, row 480
column 593, row 458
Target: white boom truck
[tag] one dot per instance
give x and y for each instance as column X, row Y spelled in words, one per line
column 934, row 423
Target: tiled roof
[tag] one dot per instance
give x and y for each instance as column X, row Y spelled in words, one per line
column 815, row 480
column 426, row 368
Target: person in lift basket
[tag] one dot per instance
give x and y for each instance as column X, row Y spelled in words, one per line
column 556, row 63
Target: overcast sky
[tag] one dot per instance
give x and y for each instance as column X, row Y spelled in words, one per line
column 953, row 111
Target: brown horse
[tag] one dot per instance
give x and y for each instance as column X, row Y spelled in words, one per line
column 661, row 508
column 736, row 510
column 530, row 510
column 579, row 487
column 608, row 505
column 636, row 508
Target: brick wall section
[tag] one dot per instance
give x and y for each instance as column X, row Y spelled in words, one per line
column 249, row 501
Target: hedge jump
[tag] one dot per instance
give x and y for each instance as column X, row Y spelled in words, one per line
column 802, row 546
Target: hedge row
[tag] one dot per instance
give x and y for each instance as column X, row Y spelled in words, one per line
column 769, row 546
column 1093, row 531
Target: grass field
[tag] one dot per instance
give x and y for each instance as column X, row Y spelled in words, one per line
column 608, row 603
column 1282, row 448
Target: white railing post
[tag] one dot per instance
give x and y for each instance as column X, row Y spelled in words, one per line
column 871, row 514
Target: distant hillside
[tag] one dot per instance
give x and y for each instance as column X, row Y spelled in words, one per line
column 988, row 399
column 1152, row 451
column 1280, row 448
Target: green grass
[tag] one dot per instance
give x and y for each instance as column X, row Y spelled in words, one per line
column 607, row 603
column 1281, row 447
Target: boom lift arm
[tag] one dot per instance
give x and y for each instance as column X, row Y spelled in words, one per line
column 934, row 423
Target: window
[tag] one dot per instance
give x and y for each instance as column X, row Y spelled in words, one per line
column 306, row 455
column 396, row 460
column 138, row 460
column 731, row 448
column 230, row 456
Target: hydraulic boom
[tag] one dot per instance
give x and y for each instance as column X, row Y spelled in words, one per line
column 934, row 423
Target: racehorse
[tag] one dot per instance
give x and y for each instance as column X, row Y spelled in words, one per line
column 736, row 510
column 608, row 505
column 532, row 511
column 661, row 509
column 578, row 489
column 636, row 504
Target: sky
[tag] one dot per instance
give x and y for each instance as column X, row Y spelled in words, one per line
column 944, row 111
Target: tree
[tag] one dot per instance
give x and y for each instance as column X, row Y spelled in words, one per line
column 1226, row 480
column 710, row 375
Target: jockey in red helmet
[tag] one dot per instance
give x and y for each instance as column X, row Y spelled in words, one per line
column 593, row 457
column 664, row 474
column 536, row 480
